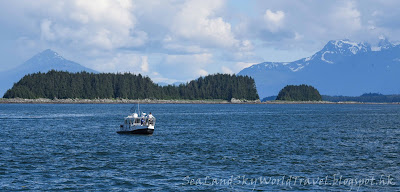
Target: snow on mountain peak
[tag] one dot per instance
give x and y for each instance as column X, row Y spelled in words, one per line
column 341, row 48
column 383, row 44
column 346, row 47
column 342, row 67
column 297, row 67
column 271, row 65
column 323, row 56
column 333, row 52
column 50, row 54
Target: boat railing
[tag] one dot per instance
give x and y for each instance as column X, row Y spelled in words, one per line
column 151, row 121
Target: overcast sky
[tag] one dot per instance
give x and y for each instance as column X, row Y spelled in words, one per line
column 173, row 40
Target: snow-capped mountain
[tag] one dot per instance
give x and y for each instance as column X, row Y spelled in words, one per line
column 42, row 62
column 342, row 67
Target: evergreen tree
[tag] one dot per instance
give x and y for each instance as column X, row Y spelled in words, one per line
column 83, row 85
column 299, row 93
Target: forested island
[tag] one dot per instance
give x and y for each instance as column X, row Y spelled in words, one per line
column 83, row 85
column 364, row 98
column 299, row 93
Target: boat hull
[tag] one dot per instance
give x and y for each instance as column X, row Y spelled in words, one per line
column 138, row 131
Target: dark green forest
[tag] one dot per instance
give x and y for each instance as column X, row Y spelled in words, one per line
column 83, row 85
column 299, row 93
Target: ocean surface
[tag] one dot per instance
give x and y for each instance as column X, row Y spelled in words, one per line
column 201, row 147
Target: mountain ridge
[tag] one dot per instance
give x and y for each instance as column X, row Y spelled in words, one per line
column 341, row 67
column 42, row 62
column 51, row 60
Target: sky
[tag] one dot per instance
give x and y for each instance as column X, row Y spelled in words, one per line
column 176, row 41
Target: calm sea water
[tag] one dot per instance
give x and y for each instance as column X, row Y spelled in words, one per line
column 201, row 147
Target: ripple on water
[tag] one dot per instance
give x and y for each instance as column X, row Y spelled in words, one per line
column 75, row 147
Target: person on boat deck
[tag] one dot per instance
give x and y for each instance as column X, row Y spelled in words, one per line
column 142, row 121
column 150, row 115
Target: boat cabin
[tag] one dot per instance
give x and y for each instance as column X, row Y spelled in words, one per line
column 134, row 121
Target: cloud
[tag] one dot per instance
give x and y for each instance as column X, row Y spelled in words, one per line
column 202, row 72
column 298, row 36
column 236, row 67
column 184, row 67
column 274, row 20
column 349, row 17
column 180, row 40
column 226, row 70
column 196, row 21
column 193, row 59
column 47, row 34
column 198, row 27
column 145, row 64
column 122, row 62
column 298, row 29
column 104, row 25
column 242, row 65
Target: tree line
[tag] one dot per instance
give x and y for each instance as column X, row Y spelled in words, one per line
column 83, row 85
column 365, row 98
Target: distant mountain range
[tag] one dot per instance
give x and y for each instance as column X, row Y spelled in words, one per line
column 173, row 84
column 342, row 67
column 364, row 98
column 42, row 62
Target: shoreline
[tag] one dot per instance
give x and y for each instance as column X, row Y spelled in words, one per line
column 118, row 101
column 151, row 101
column 328, row 102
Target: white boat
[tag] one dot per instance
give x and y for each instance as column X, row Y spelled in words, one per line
column 135, row 124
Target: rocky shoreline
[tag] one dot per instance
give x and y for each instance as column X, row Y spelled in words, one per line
column 153, row 101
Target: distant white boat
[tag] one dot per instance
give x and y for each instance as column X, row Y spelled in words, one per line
column 135, row 124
